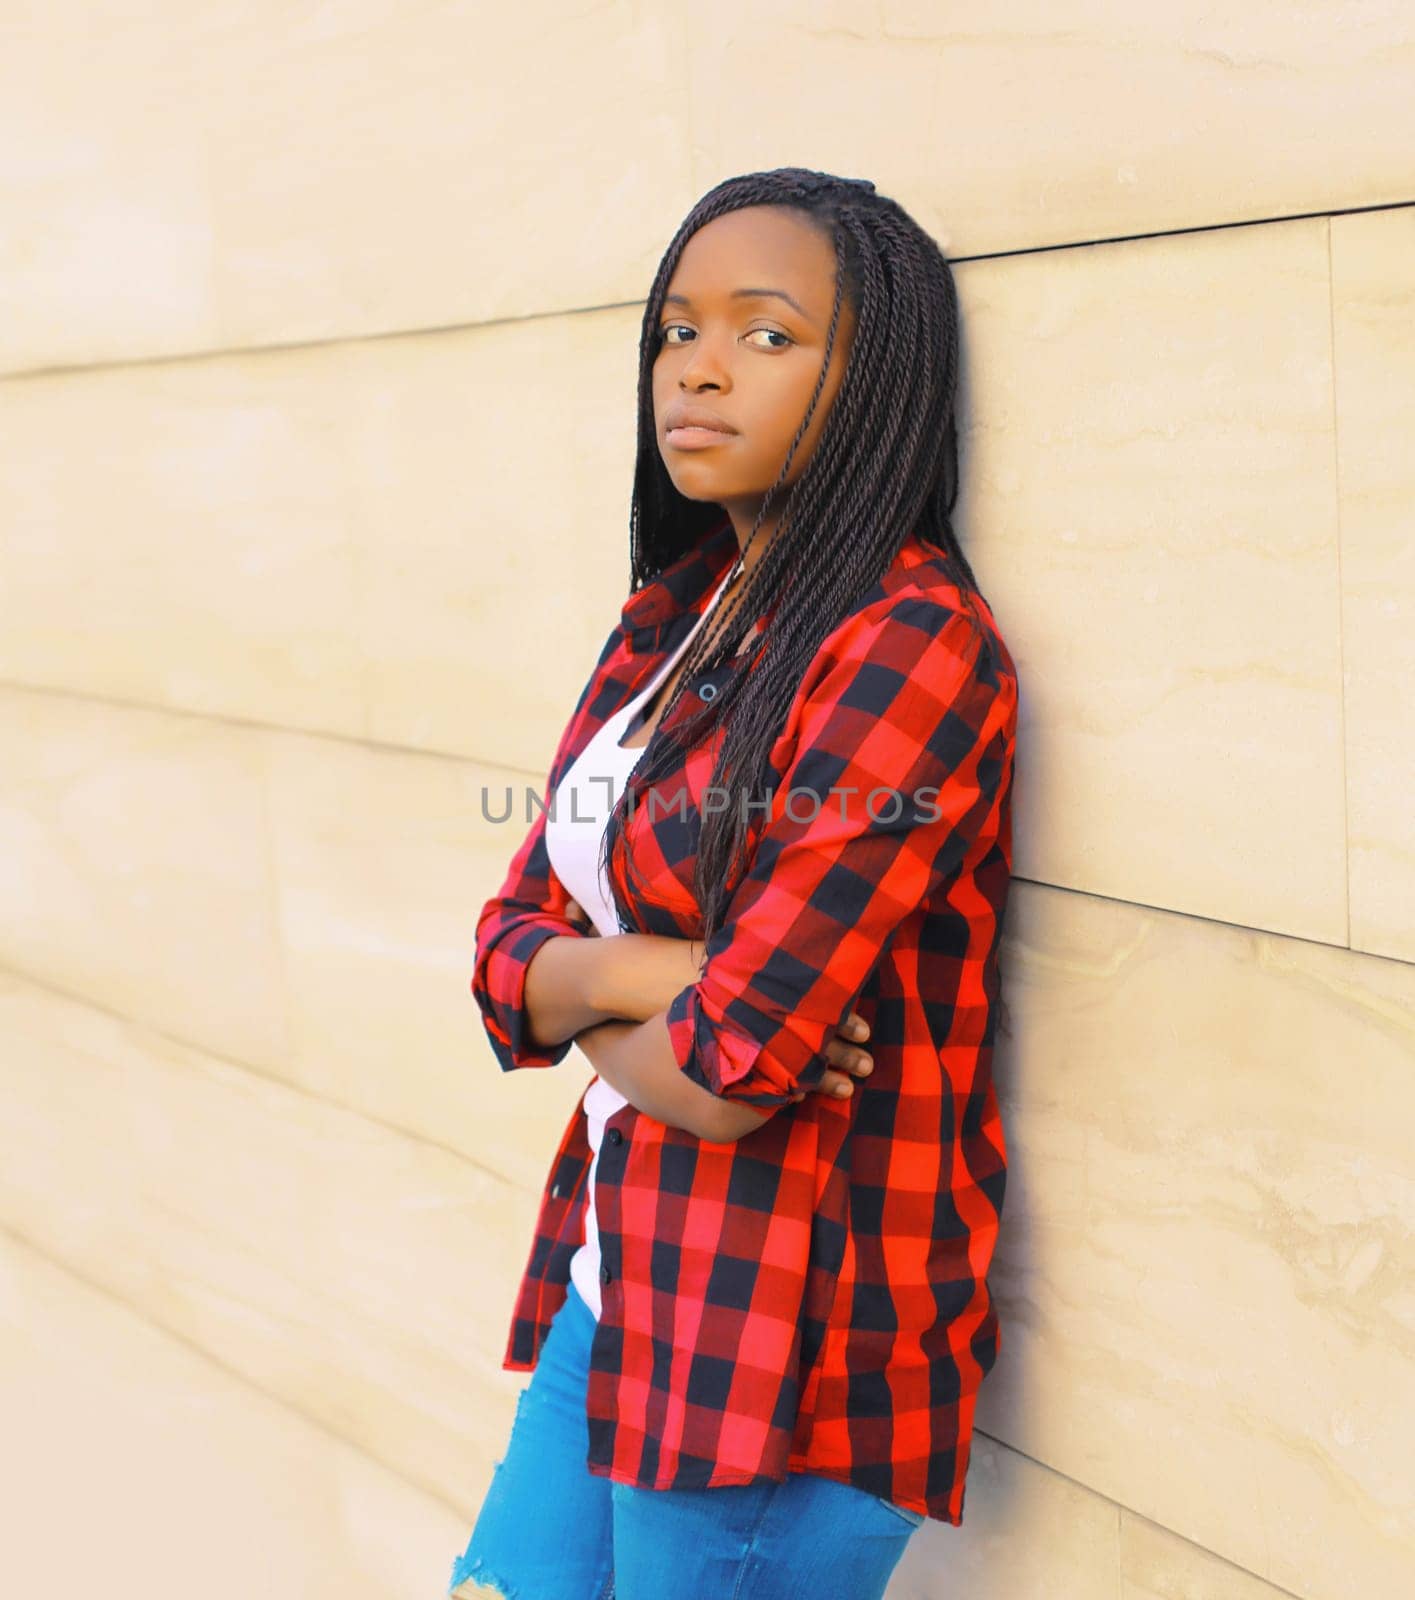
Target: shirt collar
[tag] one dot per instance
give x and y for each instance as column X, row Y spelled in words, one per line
column 684, row 584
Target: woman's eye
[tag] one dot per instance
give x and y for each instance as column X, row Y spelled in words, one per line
column 774, row 333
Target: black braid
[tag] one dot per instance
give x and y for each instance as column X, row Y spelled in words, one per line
column 886, row 463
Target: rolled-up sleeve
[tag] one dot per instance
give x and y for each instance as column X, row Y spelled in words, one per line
column 904, row 730
column 529, row 909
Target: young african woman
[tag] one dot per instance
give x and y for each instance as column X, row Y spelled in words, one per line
column 755, row 1307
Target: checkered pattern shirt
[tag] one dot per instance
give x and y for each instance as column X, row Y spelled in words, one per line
column 812, row 1296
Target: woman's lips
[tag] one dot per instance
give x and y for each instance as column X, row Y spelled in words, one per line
column 696, row 438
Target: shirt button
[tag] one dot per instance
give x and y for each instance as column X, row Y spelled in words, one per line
column 614, row 1136
column 604, row 1274
column 707, row 691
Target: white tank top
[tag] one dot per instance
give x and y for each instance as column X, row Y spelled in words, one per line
column 574, row 831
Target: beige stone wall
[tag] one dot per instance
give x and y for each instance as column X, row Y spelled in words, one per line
column 317, row 352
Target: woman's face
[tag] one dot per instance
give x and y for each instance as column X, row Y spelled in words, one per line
column 742, row 338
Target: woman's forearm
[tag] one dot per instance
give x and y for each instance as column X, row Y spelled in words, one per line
column 597, row 979
column 573, row 983
column 636, row 1058
column 638, row 974
column 563, row 992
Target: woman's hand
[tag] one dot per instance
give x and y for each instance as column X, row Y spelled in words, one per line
column 848, row 1061
column 654, row 969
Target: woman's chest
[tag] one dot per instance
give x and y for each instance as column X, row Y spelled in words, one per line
column 661, row 794
column 651, row 703
column 653, row 861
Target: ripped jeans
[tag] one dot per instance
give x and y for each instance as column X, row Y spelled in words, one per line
column 549, row 1529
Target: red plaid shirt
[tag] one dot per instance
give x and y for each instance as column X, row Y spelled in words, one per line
column 813, row 1295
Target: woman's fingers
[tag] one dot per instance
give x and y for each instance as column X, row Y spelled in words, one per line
column 848, row 1057
column 850, row 1063
column 847, row 1061
column 836, row 1084
column 575, row 912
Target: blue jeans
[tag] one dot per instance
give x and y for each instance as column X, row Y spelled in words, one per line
column 550, row 1529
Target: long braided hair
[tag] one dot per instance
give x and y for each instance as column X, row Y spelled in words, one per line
column 886, row 463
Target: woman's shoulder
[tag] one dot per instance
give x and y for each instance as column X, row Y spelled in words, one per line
column 918, row 622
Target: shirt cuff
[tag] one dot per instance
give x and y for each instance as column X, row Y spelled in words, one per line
column 719, row 1058
column 501, row 993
